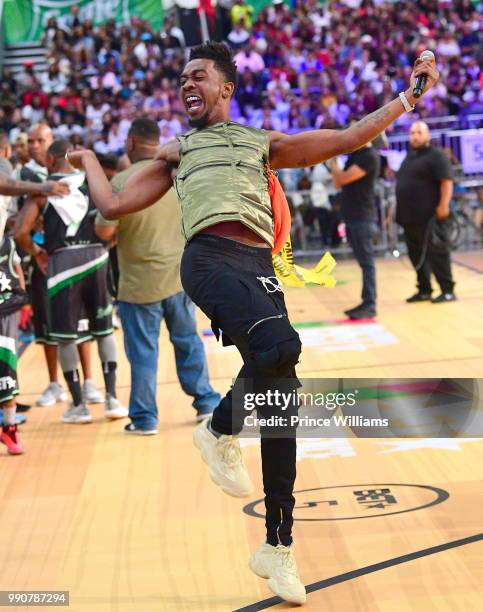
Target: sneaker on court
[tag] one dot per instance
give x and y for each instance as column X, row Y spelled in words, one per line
column 23, row 407
column 114, row 409
column 277, row 563
column 51, row 395
column 419, row 297
column 224, row 459
column 358, row 307
column 11, row 439
column 77, row 414
column 444, row 297
column 90, row 393
column 132, row 429
column 365, row 312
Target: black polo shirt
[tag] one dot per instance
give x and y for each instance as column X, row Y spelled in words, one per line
column 357, row 199
column 418, row 186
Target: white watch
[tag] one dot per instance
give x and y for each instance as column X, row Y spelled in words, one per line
column 405, row 102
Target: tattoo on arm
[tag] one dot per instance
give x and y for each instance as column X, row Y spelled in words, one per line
column 376, row 118
column 302, row 163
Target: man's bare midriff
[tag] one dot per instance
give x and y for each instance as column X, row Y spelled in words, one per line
column 235, row 230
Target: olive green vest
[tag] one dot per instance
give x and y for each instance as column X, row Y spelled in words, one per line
column 221, row 177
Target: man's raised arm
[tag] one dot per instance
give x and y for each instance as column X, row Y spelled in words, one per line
column 142, row 189
column 315, row 146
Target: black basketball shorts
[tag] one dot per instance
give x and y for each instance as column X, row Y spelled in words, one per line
column 78, row 290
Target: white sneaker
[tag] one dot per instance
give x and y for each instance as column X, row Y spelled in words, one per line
column 277, row 563
column 52, row 394
column 90, row 393
column 114, row 409
column 224, row 459
column 77, row 414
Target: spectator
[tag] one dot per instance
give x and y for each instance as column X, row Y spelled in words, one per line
column 242, row 12
column 448, row 46
column 53, row 81
column 340, row 57
column 115, row 139
column 278, row 83
column 155, row 103
column 249, row 93
column 249, row 59
column 68, row 128
column 95, row 111
column 173, row 35
column 26, row 79
column 238, row 36
column 72, row 20
column 323, row 194
column 173, row 124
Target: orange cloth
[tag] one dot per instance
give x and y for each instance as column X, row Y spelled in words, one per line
column 282, row 218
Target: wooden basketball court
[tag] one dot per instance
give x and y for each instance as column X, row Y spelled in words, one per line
column 135, row 524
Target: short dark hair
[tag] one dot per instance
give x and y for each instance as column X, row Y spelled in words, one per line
column 144, row 129
column 109, row 161
column 221, row 56
column 59, row 148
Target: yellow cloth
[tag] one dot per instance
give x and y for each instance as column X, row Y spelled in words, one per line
column 292, row 275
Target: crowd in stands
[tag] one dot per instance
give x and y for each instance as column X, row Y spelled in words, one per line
column 318, row 65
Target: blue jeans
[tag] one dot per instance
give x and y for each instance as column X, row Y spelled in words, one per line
column 141, row 324
column 361, row 236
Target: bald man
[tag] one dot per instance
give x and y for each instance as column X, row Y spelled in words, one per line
column 423, row 191
column 10, row 187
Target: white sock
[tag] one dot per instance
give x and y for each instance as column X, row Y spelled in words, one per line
column 9, row 416
column 217, row 434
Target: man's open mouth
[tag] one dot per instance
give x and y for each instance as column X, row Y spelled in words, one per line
column 193, row 104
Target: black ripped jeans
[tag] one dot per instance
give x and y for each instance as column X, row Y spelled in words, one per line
column 236, row 287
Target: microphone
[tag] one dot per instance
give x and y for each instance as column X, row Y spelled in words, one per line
column 422, row 79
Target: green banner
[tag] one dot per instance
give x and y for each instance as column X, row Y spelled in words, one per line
column 24, row 20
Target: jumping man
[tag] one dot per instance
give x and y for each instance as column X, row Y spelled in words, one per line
column 221, row 181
